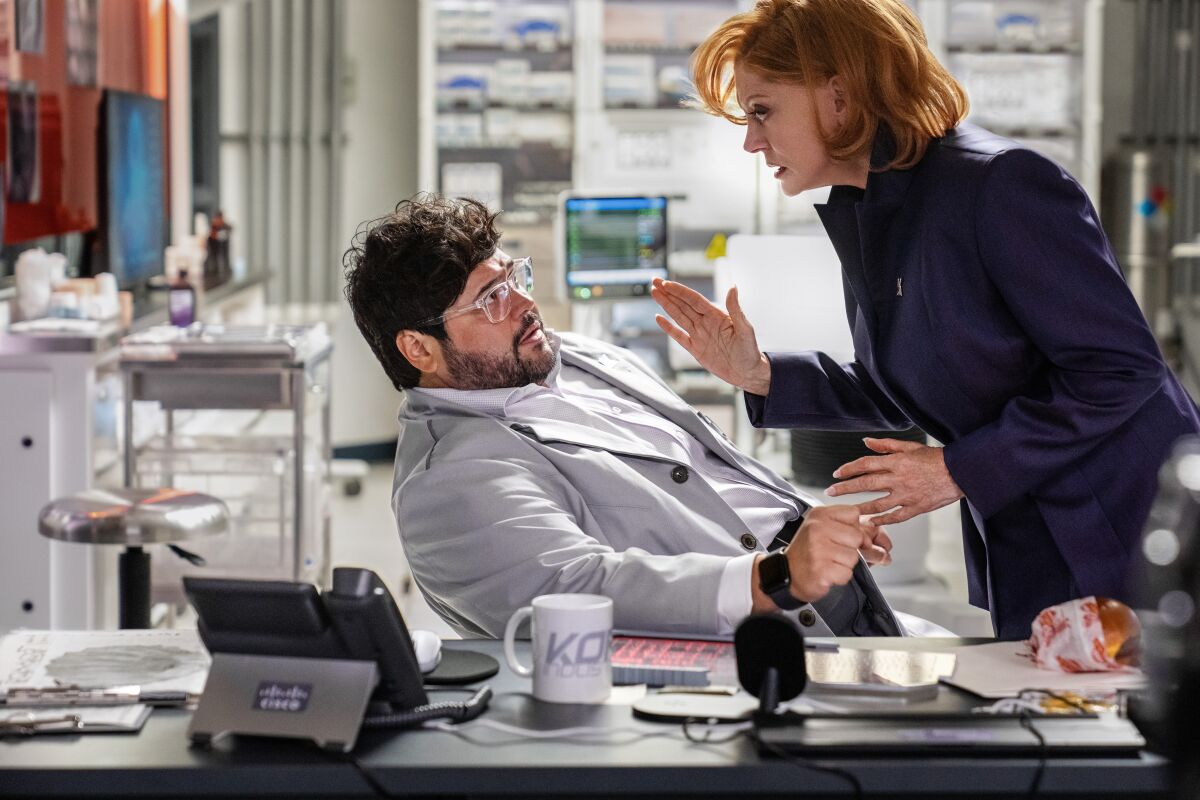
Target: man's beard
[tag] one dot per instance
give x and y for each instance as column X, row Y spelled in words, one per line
column 486, row 371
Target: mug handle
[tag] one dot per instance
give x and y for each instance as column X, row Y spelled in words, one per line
column 510, row 635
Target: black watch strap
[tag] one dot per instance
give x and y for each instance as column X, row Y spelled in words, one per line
column 775, row 580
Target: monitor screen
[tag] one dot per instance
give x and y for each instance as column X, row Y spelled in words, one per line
column 614, row 246
column 133, row 186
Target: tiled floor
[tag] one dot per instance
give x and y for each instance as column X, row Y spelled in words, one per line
column 364, row 534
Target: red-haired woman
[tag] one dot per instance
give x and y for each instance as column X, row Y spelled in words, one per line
column 985, row 302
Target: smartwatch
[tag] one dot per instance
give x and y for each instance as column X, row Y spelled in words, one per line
column 775, row 580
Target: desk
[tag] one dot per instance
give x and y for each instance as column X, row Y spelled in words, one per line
column 158, row 763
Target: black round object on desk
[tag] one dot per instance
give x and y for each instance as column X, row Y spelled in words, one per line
column 462, row 666
column 770, row 658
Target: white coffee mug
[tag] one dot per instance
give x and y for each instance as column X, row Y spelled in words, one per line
column 572, row 647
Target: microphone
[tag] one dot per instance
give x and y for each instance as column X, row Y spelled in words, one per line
column 770, row 659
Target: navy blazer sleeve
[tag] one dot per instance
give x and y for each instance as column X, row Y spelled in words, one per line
column 811, row 390
column 1041, row 244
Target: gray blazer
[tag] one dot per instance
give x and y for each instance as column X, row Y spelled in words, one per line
column 493, row 512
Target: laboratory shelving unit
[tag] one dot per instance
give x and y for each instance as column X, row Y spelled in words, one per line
column 1033, row 71
column 497, row 103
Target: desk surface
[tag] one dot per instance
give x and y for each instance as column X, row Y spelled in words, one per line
column 648, row 759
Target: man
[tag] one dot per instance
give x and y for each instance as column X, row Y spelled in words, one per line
column 532, row 463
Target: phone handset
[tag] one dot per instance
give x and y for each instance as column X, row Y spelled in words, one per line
column 370, row 625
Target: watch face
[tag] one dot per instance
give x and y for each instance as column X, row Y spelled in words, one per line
column 773, row 573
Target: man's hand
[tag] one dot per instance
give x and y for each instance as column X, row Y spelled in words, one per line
column 723, row 343
column 913, row 475
column 824, row 552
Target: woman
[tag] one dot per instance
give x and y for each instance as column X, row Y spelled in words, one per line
column 985, row 303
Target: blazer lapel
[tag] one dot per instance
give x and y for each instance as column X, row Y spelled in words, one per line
column 841, row 224
column 558, row 431
column 879, row 272
column 648, row 390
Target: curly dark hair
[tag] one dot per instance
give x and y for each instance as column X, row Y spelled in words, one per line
column 411, row 265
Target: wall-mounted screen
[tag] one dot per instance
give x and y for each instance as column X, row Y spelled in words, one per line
column 613, row 246
column 133, row 186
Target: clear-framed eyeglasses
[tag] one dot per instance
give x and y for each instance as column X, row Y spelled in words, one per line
column 497, row 302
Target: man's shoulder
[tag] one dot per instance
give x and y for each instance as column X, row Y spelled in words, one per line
column 450, row 435
column 603, row 356
column 578, row 345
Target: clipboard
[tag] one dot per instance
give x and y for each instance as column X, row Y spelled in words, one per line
column 75, row 720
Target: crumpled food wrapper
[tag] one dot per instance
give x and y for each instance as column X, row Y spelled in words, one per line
column 1070, row 637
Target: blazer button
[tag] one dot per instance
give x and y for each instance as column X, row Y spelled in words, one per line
column 749, row 542
column 808, row 618
column 679, row 474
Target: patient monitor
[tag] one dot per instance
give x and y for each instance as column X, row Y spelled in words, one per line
column 611, row 246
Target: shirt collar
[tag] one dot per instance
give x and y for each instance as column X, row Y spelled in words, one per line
column 496, row 402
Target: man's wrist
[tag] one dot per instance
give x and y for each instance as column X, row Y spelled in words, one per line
column 760, row 601
column 775, row 597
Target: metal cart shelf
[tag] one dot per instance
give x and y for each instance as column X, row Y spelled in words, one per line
column 269, row 474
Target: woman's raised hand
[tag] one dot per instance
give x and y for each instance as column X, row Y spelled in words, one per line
column 723, row 343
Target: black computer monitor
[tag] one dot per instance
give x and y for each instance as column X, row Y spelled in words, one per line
column 613, row 246
column 132, row 179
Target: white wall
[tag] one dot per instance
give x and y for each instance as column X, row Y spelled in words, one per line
column 379, row 168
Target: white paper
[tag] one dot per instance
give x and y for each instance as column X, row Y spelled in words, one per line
column 1000, row 670
column 155, row 661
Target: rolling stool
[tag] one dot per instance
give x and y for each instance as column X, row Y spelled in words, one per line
column 134, row 518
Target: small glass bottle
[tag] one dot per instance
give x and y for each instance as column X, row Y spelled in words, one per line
column 181, row 301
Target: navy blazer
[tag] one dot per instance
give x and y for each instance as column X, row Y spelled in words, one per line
column 987, row 307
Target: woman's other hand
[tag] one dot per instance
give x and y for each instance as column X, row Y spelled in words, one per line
column 913, row 475
column 723, row 343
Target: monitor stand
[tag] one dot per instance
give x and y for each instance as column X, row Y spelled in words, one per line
column 592, row 319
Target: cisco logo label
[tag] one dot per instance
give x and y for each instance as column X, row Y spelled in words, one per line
column 276, row 696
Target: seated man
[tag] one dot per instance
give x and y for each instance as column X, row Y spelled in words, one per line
column 531, row 462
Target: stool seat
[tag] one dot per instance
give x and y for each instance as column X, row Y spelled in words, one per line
column 133, row 517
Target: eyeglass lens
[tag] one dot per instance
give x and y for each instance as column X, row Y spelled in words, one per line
column 499, row 301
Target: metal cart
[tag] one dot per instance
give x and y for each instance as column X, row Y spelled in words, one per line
column 206, row 410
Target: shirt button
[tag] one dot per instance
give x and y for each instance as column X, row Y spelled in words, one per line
column 749, row 542
column 808, row 618
column 679, row 474
column 616, row 409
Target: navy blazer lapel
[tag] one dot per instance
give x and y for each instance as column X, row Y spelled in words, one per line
column 879, row 272
column 840, row 223
column 885, row 195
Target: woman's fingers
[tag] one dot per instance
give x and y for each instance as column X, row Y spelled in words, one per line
column 885, row 503
column 861, row 466
column 734, row 305
column 683, row 298
column 676, row 310
column 863, row 483
column 901, row 514
column 891, row 445
column 682, row 337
